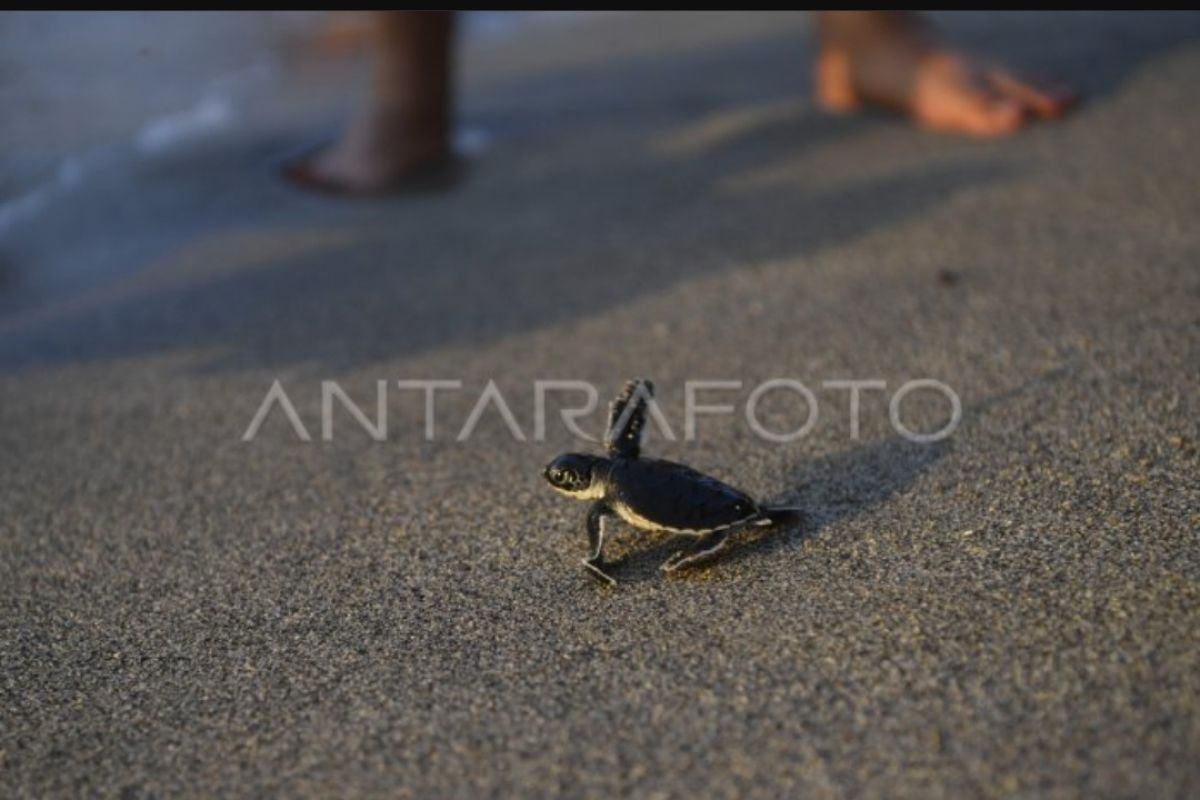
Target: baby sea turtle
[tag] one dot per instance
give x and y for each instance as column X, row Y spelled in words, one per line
column 651, row 494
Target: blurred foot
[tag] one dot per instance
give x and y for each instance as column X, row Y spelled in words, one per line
column 894, row 60
column 379, row 153
column 400, row 141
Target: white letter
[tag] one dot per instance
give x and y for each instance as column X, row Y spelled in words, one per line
column 430, row 387
column 331, row 389
column 492, row 394
column 276, row 395
column 569, row 415
column 781, row 383
column 925, row 438
column 690, row 409
column 653, row 409
column 854, row 386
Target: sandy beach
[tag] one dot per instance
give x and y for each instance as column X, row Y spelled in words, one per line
column 1012, row 611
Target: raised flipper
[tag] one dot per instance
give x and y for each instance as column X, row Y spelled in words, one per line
column 627, row 419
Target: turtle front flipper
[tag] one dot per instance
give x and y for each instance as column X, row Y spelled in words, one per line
column 595, row 529
column 627, row 418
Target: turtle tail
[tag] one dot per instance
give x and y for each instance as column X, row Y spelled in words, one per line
column 783, row 515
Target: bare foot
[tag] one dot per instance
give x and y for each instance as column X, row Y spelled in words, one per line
column 378, row 153
column 401, row 139
column 894, row 60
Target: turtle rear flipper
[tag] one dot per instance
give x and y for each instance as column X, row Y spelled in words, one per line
column 782, row 515
column 627, row 419
column 708, row 548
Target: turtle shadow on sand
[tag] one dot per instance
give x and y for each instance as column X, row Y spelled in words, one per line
column 842, row 485
column 827, row 490
column 833, row 488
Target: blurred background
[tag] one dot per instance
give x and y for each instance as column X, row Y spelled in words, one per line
column 130, row 136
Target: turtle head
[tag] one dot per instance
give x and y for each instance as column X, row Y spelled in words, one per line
column 576, row 474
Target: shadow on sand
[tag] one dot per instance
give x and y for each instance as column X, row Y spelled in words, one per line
column 830, row 489
column 834, row 488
